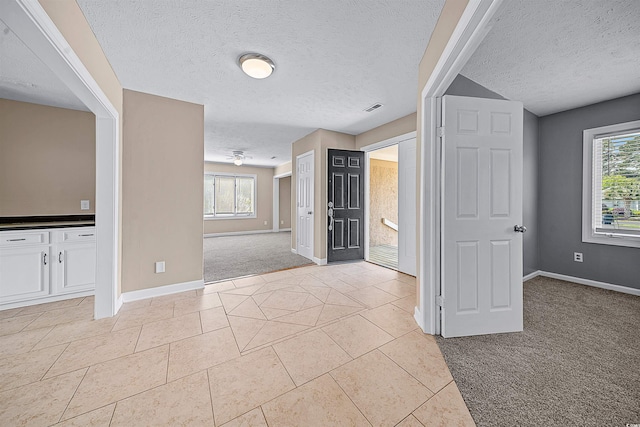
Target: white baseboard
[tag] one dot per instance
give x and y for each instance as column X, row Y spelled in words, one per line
column 119, row 303
column 44, row 300
column 588, row 282
column 284, row 229
column 238, row 233
column 531, row 276
column 162, row 290
column 417, row 316
column 294, row 251
column 320, row 261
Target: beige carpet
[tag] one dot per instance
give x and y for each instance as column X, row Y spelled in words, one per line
column 576, row 363
column 228, row 257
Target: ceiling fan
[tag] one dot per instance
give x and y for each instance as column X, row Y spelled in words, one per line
column 238, row 157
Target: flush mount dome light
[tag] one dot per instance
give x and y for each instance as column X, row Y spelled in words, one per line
column 256, row 65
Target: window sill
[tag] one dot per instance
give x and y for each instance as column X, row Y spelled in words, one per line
column 218, row 218
column 612, row 240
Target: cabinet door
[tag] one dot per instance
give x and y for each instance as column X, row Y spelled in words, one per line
column 24, row 273
column 76, row 265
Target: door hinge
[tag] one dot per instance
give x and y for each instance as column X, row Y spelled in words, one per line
column 440, row 131
column 440, row 301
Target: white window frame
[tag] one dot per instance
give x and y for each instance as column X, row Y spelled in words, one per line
column 236, row 215
column 589, row 232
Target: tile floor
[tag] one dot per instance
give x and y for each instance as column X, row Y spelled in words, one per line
column 313, row 346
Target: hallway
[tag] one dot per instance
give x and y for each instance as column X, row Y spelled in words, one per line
column 330, row 345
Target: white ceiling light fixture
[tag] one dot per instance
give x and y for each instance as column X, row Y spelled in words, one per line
column 256, row 65
column 238, row 158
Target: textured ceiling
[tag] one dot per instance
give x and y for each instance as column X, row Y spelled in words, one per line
column 557, row 55
column 23, row 77
column 334, row 58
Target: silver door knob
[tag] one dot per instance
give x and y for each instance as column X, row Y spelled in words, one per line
column 520, row 228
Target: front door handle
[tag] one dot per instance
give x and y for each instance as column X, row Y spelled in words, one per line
column 520, row 228
column 330, row 213
column 309, row 213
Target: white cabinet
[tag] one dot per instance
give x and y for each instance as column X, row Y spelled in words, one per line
column 43, row 265
column 24, row 273
column 75, row 260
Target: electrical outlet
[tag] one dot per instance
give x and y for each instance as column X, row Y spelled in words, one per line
column 577, row 256
column 160, row 267
column 265, row 223
column 84, row 205
column 281, row 222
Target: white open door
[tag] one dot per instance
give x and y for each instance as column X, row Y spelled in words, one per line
column 481, row 216
column 304, row 205
column 407, row 231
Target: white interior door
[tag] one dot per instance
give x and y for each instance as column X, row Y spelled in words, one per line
column 304, row 203
column 482, row 203
column 407, row 231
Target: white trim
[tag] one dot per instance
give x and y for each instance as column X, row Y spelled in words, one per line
column 417, row 316
column 469, row 32
column 589, row 234
column 237, row 233
column 389, row 142
column 531, row 276
column 593, row 283
column 284, row 229
column 46, row 299
column 29, row 21
column 276, row 200
column 320, row 261
column 367, row 203
column 311, row 153
column 119, row 303
column 162, row 290
column 294, row 251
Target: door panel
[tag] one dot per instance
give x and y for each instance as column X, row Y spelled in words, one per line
column 304, row 203
column 482, row 202
column 346, row 205
column 407, row 206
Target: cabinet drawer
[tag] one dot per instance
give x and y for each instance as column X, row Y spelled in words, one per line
column 23, row 238
column 79, row 235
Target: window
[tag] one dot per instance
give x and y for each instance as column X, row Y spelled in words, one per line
column 229, row 196
column 611, row 185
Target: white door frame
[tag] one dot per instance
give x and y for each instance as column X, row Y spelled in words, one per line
column 311, row 153
column 29, row 21
column 471, row 29
column 276, row 200
column 367, row 153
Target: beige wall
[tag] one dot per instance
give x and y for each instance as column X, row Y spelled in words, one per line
column 162, row 192
column 283, row 168
column 389, row 130
column 47, row 160
column 319, row 141
column 68, row 18
column 285, row 202
column 264, row 202
column 447, row 22
column 383, row 202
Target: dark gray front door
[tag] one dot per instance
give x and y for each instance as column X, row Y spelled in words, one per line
column 345, row 205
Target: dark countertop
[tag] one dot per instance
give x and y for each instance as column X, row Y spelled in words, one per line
column 49, row 221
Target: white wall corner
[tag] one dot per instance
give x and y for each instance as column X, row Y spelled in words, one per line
column 417, row 315
column 320, row 261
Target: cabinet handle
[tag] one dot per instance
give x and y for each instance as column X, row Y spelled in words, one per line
column 84, row 235
column 45, row 259
column 15, row 240
column 60, row 257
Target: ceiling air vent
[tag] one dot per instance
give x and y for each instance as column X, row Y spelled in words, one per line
column 373, row 107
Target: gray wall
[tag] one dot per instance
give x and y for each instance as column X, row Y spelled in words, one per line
column 560, row 208
column 463, row 86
